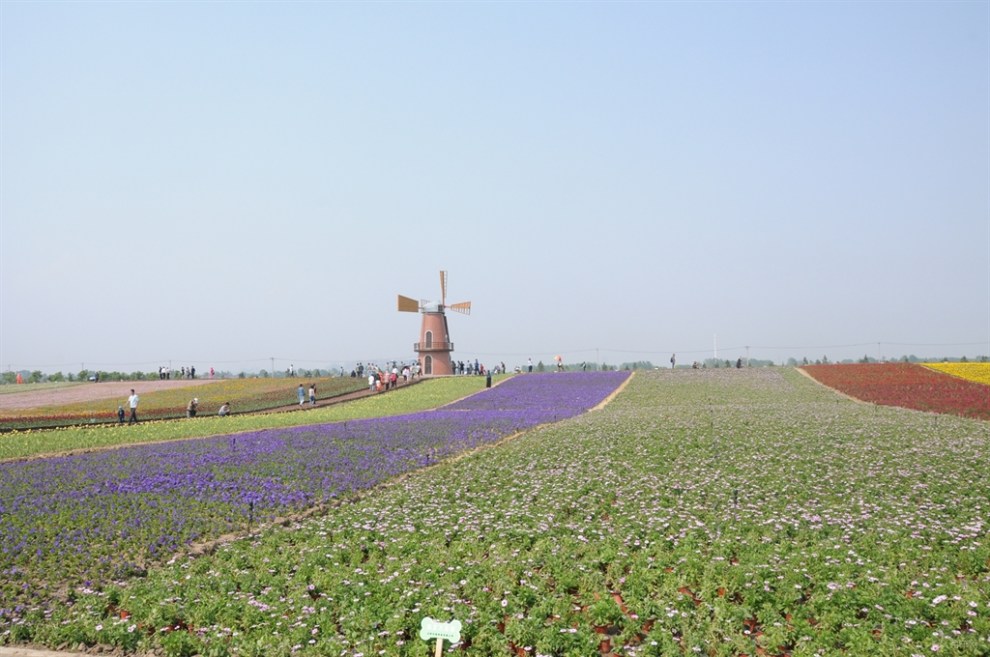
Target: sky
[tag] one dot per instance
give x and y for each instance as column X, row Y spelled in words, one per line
column 248, row 185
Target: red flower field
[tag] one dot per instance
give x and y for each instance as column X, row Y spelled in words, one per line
column 906, row 385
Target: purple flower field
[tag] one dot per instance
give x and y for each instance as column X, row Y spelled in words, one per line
column 556, row 395
column 103, row 515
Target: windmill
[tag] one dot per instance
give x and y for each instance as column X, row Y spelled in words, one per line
column 434, row 344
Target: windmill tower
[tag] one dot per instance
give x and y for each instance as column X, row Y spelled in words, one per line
column 434, row 344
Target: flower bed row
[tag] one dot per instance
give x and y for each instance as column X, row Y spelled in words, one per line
column 106, row 515
column 976, row 372
column 245, row 395
column 707, row 512
column 906, row 385
column 428, row 394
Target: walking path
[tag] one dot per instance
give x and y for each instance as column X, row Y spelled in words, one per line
column 27, row 652
column 330, row 401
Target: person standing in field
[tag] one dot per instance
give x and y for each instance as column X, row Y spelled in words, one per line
column 312, row 394
column 302, row 394
column 673, row 360
column 120, row 414
column 132, row 401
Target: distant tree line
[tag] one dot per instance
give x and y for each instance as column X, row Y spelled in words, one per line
column 793, row 362
column 37, row 376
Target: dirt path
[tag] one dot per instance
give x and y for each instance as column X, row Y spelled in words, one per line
column 85, row 392
column 836, row 391
column 330, row 401
column 28, row 652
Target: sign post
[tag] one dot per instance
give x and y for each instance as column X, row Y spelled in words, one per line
column 431, row 629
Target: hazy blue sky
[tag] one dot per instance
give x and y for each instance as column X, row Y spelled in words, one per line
column 219, row 184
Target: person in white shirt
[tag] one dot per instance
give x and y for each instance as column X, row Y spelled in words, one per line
column 132, row 401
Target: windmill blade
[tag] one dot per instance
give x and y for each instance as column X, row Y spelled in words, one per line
column 408, row 305
column 443, row 287
column 463, row 307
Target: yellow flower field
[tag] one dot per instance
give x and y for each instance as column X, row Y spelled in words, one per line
column 978, row 372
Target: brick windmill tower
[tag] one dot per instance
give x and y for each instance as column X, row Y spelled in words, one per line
column 434, row 344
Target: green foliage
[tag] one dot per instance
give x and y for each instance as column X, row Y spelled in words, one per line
column 637, row 365
column 714, row 512
column 421, row 396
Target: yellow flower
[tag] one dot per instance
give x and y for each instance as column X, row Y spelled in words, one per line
column 978, row 372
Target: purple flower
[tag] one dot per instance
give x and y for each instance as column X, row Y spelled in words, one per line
column 146, row 501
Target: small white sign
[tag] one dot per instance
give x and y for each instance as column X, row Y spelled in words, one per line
column 431, row 629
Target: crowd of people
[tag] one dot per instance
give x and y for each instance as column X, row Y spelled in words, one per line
column 382, row 379
column 165, row 372
column 461, row 368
